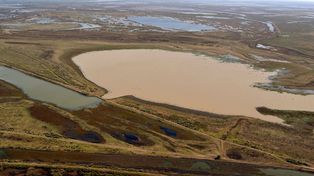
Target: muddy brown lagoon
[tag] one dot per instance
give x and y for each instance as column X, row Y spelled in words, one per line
column 187, row 80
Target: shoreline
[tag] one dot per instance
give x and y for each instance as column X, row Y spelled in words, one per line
column 250, row 113
column 69, row 56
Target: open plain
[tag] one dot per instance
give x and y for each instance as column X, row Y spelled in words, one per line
column 85, row 133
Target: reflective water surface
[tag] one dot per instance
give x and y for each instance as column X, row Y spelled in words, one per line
column 170, row 23
column 45, row 91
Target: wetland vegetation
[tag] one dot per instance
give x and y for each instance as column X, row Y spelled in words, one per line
column 56, row 120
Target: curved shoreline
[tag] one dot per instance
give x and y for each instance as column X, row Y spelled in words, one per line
column 68, row 58
column 30, row 95
column 131, row 66
column 69, row 55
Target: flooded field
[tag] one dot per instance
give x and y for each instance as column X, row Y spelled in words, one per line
column 170, row 23
column 187, row 80
column 47, row 92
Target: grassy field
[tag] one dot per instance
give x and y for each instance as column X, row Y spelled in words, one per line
column 252, row 133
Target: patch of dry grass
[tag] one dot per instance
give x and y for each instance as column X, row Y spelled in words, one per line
column 15, row 117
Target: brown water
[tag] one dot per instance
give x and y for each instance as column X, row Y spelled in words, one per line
column 187, row 80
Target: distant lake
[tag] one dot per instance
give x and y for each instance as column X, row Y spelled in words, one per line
column 45, row 91
column 187, row 80
column 168, row 23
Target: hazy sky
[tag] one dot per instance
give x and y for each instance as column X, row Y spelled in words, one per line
column 220, row 0
column 249, row 0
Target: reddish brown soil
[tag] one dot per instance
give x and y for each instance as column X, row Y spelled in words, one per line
column 7, row 90
column 138, row 162
column 68, row 127
column 124, row 122
column 44, row 171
